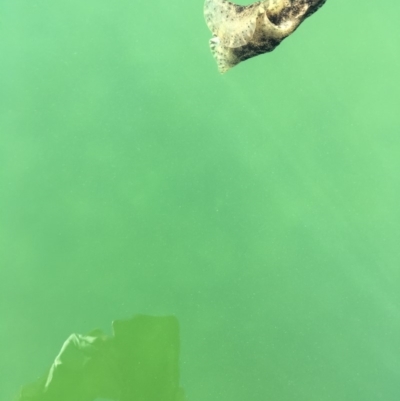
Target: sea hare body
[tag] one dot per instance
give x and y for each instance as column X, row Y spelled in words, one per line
column 242, row 32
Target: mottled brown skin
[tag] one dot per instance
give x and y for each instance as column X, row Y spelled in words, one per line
column 263, row 43
column 276, row 20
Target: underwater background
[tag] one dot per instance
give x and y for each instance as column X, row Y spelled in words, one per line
column 261, row 207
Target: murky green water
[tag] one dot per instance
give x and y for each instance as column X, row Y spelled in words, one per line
column 260, row 207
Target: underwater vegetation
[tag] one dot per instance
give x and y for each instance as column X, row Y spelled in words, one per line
column 139, row 362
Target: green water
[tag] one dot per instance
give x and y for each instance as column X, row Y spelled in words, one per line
column 260, row 207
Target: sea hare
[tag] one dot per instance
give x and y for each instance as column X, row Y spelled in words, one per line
column 242, row 32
